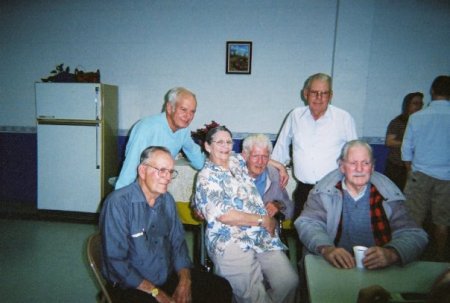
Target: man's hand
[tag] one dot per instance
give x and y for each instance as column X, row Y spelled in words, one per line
column 379, row 257
column 338, row 257
column 272, row 208
column 182, row 293
column 284, row 177
column 162, row 297
column 197, row 214
column 408, row 167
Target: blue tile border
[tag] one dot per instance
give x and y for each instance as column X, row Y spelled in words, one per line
column 17, row 129
column 125, row 133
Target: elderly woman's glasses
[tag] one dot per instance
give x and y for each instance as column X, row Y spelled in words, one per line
column 164, row 172
column 223, row 143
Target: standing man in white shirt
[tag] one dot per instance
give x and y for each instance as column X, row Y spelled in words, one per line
column 317, row 133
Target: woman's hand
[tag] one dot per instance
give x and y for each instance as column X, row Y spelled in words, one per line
column 239, row 218
column 269, row 224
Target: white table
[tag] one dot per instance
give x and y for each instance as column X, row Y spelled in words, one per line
column 327, row 284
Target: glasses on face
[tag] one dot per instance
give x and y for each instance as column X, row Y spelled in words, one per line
column 223, row 142
column 164, row 172
column 317, row 94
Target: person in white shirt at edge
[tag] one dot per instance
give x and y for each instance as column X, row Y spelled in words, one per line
column 317, row 133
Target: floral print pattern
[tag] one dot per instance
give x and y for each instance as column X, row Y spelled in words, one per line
column 219, row 190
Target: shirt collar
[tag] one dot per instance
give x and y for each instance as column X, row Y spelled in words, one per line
column 361, row 193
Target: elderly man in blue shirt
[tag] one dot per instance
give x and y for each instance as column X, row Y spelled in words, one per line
column 145, row 256
column 168, row 129
column 426, row 149
column 256, row 150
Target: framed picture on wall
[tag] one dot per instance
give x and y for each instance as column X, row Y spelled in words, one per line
column 239, row 57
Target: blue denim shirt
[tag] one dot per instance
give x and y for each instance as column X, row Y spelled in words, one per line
column 141, row 242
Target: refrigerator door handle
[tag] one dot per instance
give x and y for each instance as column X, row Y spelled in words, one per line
column 96, row 102
column 97, row 146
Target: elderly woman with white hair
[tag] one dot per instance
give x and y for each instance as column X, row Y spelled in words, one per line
column 240, row 236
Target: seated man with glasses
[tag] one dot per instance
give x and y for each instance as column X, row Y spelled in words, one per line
column 353, row 206
column 145, row 256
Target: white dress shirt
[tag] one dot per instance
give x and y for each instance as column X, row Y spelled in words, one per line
column 316, row 144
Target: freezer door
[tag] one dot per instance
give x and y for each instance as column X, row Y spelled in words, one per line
column 69, row 169
column 68, row 101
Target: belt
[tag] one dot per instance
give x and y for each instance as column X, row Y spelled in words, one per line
column 306, row 184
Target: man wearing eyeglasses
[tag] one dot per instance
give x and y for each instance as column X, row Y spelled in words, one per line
column 169, row 129
column 145, row 256
column 317, row 133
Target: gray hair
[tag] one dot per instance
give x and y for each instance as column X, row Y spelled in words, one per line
column 172, row 95
column 320, row 77
column 148, row 153
column 259, row 140
column 215, row 130
column 345, row 149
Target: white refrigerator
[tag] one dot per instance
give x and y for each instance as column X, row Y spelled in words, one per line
column 77, row 151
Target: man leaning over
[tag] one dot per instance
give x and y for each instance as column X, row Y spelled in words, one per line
column 168, row 129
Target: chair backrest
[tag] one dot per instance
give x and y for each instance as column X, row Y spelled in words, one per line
column 94, row 254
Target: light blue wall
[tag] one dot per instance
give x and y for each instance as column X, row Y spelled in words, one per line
column 377, row 51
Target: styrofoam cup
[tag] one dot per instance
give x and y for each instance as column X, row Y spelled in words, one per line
column 359, row 252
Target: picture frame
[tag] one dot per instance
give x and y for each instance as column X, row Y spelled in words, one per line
column 239, row 57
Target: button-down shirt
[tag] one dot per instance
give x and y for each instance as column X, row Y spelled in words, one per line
column 219, row 190
column 427, row 140
column 316, row 144
column 141, row 242
column 155, row 131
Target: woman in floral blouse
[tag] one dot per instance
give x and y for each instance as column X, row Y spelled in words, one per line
column 241, row 238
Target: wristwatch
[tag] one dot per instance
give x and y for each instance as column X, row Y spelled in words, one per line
column 260, row 220
column 154, row 292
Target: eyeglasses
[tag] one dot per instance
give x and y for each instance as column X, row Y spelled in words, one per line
column 164, row 172
column 317, row 94
column 223, row 143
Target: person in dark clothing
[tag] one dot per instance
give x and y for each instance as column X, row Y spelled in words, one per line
column 395, row 167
